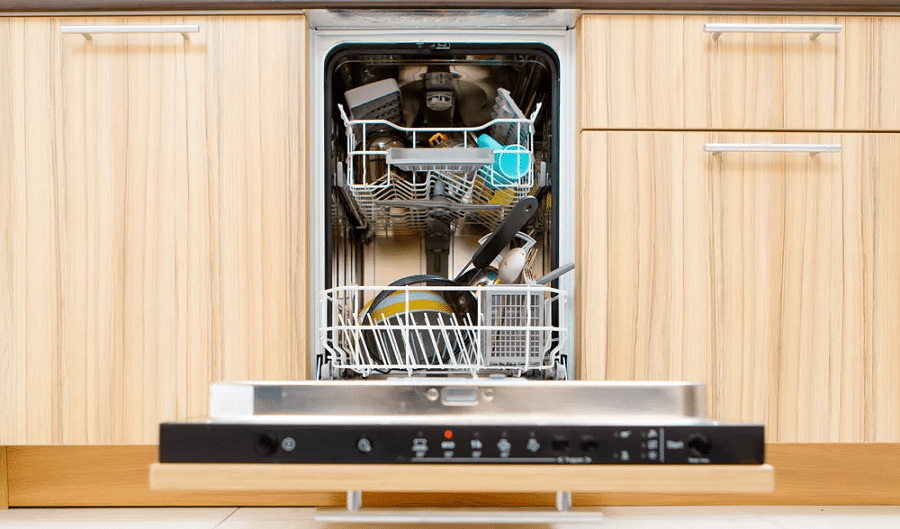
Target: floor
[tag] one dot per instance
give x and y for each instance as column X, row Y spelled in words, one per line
column 824, row 517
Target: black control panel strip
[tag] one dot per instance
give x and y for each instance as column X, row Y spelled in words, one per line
column 720, row 444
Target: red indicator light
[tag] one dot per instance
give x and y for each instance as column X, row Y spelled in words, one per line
column 448, row 434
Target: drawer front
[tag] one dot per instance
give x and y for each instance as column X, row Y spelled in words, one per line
column 770, row 276
column 728, row 72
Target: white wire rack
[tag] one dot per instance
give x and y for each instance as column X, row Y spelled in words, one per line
column 411, row 173
column 505, row 329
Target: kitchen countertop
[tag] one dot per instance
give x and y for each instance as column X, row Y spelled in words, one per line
column 820, row 6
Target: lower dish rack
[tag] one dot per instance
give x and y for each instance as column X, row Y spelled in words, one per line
column 448, row 330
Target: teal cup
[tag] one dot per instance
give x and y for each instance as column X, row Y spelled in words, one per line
column 511, row 163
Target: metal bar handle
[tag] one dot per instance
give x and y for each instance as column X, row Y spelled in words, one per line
column 814, row 30
column 87, row 31
column 812, row 149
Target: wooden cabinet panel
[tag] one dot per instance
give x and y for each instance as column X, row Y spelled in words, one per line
column 29, row 270
column 155, row 221
column 884, row 34
column 631, row 71
column 665, row 72
column 883, row 356
column 772, row 277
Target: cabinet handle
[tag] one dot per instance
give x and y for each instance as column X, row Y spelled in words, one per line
column 814, row 30
column 811, row 148
column 87, row 31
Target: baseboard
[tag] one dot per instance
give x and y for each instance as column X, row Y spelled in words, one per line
column 805, row 474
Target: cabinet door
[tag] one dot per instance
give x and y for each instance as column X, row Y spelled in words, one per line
column 155, row 221
column 772, row 277
column 671, row 71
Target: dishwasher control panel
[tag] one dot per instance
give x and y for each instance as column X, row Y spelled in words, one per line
column 718, row 444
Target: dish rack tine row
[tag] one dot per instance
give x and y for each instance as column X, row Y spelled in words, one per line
column 466, row 181
column 513, row 333
column 399, row 353
column 520, row 131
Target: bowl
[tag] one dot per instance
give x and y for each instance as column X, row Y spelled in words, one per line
column 410, row 327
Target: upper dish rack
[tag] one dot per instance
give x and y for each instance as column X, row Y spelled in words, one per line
column 457, row 168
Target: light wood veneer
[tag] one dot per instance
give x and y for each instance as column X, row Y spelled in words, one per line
column 770, row 277
column 4, row 485
column 805, row 474
column 464, row 478
column 153, row 221
column 641, row 71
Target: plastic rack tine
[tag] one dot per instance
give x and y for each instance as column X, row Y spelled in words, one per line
column 471, row 350
column 417, row 337
column 359, row 344
column 450, row 332
column 529, row 333
column 392, row 355
column 365, row 346
column 474, row 352
column 461, row 354
column 439, row 328
column 480, row 353
column 455, row 331
column 344, row 333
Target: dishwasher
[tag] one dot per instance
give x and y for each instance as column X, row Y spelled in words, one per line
column 443, row 245
column 442, row 212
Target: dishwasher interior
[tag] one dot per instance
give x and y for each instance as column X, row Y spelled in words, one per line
column 437, row 153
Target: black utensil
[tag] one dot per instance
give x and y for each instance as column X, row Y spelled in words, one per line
column 462, row 301
column 493, row 245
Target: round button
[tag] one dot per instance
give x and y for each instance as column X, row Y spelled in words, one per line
column 288, row 444
column 699, row 445
column 364, row 445
column 266, row 444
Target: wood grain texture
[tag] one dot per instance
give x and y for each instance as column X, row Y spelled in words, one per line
column 631, row 71
column 665, row 72
column 883, row 358
column 464, row 478
column 155, row 221
column 43, row 476
column 29, row 265
column 4, row 482
column 805, row 474
column 884, row 35
column 770, row 277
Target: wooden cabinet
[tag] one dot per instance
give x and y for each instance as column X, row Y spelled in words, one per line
column 672, row 72
column 152, row 221
column 770, row 276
